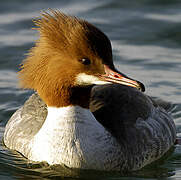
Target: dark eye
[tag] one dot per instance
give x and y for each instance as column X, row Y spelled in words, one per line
column 85, row 61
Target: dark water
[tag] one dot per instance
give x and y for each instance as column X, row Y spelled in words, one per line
column 146, row 40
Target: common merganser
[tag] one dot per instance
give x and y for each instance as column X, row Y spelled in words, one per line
column 85, row 114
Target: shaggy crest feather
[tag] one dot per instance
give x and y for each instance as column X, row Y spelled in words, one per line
column 64, row 40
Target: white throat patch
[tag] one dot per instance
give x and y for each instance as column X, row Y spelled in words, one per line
column 85, row 79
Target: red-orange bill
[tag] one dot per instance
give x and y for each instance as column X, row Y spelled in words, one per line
column 117, row 77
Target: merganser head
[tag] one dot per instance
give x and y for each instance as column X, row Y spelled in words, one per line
column 70, row 56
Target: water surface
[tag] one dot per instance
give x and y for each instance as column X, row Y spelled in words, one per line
column 146, row 40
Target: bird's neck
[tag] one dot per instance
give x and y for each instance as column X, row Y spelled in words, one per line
column 67, row 95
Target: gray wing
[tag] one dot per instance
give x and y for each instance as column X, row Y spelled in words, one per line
column 119, row 107
column 25, row 123
column 138, row 122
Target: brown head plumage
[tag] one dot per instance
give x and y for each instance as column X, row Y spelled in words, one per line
column 64, row 41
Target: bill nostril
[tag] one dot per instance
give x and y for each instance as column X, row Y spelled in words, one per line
column 116, row 76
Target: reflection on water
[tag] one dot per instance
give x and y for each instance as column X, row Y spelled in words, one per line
column 146, row 40
column 13, row 163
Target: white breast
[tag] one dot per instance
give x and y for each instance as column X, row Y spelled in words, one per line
column 72, row 136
